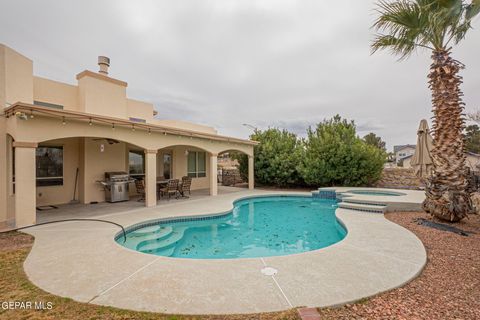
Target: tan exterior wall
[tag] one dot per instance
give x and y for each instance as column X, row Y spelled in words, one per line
column 43, row 128
column 10, row 187
column 49, row 91
column 18, row 76
column 139, row 109
column 95, row 94
column 102, row 97
column 16, row 84
column 3, row 172
column 185, row 125
column 96, row 163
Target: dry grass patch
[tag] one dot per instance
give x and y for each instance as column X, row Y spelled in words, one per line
column 15, row 286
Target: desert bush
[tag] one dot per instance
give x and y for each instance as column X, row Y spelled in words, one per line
column 335, row 155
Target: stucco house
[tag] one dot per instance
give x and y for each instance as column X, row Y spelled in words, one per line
column 49, row 130
column 472, row 161
column 403, row 151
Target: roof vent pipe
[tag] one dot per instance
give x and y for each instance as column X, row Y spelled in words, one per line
column 103, row 63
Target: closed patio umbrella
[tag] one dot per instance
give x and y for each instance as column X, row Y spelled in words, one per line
column 421, row 159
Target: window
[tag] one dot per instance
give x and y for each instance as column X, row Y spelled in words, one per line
column 136, row 163
column 48, row 105
column 49, row 165
column 196, row 166
column 137, row 120
column 167, row 165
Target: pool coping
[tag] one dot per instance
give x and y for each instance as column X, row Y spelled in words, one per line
column 106, row 273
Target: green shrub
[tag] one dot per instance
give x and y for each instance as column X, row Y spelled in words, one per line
column 276, row 159
column 335, row 155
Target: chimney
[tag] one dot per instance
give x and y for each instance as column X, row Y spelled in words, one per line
column 103, row 63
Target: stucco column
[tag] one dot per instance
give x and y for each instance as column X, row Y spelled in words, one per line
column 251, row 173
column 213, row 175
column 150, row 178
column 25, row 184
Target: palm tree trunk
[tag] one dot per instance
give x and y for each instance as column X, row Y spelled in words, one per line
column 447, row 195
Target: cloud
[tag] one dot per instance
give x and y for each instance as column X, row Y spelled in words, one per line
column 285, row 63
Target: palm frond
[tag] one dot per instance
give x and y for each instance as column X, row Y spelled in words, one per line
column 404, row 25
column 400, row 46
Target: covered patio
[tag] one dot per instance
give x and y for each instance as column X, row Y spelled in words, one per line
column 56, row 156
column 98, row 210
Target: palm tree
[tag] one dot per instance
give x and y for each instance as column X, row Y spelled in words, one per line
column 404, row 26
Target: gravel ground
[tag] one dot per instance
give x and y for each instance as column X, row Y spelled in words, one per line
column 448, row 288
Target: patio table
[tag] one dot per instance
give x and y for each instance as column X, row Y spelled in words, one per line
column 161, row 184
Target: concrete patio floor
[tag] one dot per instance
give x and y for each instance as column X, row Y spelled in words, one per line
column 82, row 261
column 78, row 210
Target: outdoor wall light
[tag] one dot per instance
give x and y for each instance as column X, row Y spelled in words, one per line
column 63, row 121
column 90, row 122
column 21, row 115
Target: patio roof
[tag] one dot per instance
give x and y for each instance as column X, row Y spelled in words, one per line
column 89, row 117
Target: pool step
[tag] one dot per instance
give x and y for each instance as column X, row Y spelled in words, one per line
column 165, row 243
column 165, row 252
column 146, row 230
column 369, row 203
column 156, row 236
column 363, row 207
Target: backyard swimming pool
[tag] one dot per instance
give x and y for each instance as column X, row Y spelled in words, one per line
column 257, row 227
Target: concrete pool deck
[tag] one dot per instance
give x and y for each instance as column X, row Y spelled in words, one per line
column 82, row 261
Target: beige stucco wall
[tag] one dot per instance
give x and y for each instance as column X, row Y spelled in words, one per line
column 96, row 163
column 139, row 109
column 185, row 125
column 17, row 71
column 16, row 84
column 43, row 128
column 98, row 95
column 102, row 97
column 55, row 92
column 3, row 172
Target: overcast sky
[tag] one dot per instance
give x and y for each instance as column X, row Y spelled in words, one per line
column 283, row 63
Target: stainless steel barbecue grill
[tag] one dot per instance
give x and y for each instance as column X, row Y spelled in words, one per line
column 116, row 186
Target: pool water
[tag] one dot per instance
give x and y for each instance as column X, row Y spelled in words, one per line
column 257, row 227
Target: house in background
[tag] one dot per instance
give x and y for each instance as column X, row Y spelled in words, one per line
column 403, row 151
column 50, row 130
column 472, row 161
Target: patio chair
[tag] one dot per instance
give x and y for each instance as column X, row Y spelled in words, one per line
column 140, row 189
column 185, row 186
column 171, row 188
